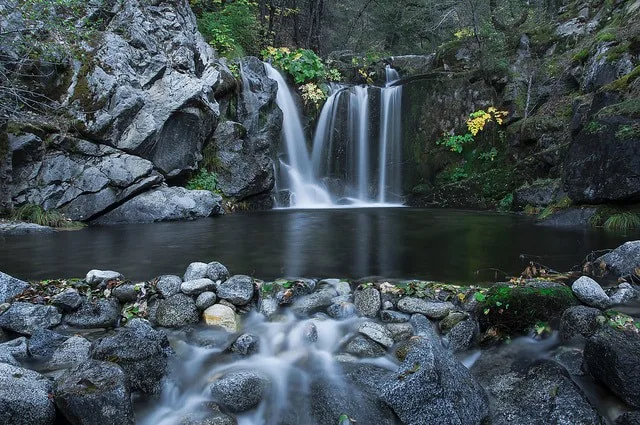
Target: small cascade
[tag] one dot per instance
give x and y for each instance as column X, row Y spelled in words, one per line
column 298, row 172
column 389, row 178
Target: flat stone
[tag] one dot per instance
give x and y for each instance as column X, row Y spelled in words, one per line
column 392, row 316
column 433, row 310
column 377, row 333
column 362, row 346
column 400, row 331
column 196, row 270
column 197, row 286
column 237, row 289
column 68, row 300
column 99, row 313
column 97, row 277
column 206, row 300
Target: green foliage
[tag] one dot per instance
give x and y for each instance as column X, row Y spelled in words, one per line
column 622, row 322
column 204, row 180
column 628, row 132
column 623, row 83
column 455, row 142
column 629, row 108
column 233, row 30
column 36, row 214
column 551, row 209
column 615, row 53
column 489, row 155
column 593, row 127
column 301, row 64
column 581, row 56
column 615, row 218
column 506, row 202
column 605, row 36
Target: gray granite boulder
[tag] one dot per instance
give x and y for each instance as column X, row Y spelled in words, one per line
column 24, row 397
column 177, row 310
column 101, row 313
column 590, row 292
column 237, row 289
column 26, row 318
column 240, row 391
column 10, row 287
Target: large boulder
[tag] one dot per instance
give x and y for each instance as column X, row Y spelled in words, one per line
column 95, row 392
column 240, row 391
column 612, row 356
column 99, row 313
column 165, row 204
column 432, row 387
column 177, row 310
column 237, row 289
column 26, row 318
column 622, row 261
column 142, row 352
column 10, row 287
column 24, row 397
column 148, row 89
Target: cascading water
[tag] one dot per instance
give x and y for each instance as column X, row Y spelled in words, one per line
column 359, row 159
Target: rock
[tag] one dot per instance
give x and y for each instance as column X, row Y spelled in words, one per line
column 612, row 356
column 590, row 292
column 342, row 310
column 168, row 285
column 570, row 358
column 216, row 271
column 26, row 318
column 19, row 228
column 246, row 344
column 579, row 321
column 525, row 391
column 452, row 319
column 68, row 300
column 43, row 343
column 367, row 301
column 432, row 386
column 13, row 352
column 141, row 351
column 388, row 305
column 177, row 310
column 237, row 289
column 570, row 217
column 622, row 261
column 197, row 286
column 195, row 271
column 411, row 65
column 538, row 194
column 433, row 310
column 392, row 316
column 462, row 336
column 24, row 397
column 629, row 418
column 341, row 287
column 240, row 391
column 98, row 277
column 205, row 300
column 623, row 294
column 267, row 305
column 600, row 70
column 73, row 351
column 223, row 316
column 208, row 418
column 400, row 331
column 377, row 332
column 99, row 313
column 10, row 287
column 126, row 293
column 364, row 347
column 95, row 392
column 165, row 204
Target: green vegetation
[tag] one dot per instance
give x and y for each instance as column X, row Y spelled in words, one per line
column 628, row 108
column 615, row 218
column 232, row 28
column 553, row 208
column 36, row 214
column 623, row 83
column 455, row 142
column 628, row 132
column 605, row 36
column 581, row 56
column 594, row 127
column 204, row 180
column 302, row 64
column 621, row 322
column 506, row 203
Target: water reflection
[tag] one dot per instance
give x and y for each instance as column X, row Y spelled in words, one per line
column 394, row 242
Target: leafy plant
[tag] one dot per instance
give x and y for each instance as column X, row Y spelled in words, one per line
column 204, row 180
column 233, row 30
column 455, row 142
column 302, row 64
column 38, row 215
column 488, row 156
column 506, row 202
column 313, row 95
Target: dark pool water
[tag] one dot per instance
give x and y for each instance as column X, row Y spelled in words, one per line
column 446, row 245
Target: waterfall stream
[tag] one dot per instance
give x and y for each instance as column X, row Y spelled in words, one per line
column 353, row 162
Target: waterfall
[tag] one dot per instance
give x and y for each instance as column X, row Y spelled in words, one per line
column 304, row 190
column 358, row 158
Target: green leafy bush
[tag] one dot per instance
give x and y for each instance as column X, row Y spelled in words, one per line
column 36, row 214
column 204, row 180
column 233, row 30
column 302, row 64
column 455, row 142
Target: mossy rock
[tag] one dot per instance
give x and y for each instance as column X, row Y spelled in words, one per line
column 516, row 309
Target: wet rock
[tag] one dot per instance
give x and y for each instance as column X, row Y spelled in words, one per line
column 367, row 301
column 318, row 301
column 14, row 351
column 462, row 336
column 217, row 271
column 310, row 332
column 206, row 300
column 433, row 310
column 622, row 261
column 215, row 418
column 570, row 358
column 400, row 331
column 612, row 357
column 95, row 314
column 73, row 351
column 268, row 305
column 579, row 321
column 197, row 286
column 126, row 293
column 237, row 289
column 628, row 418
column 432, row 386
column 168, row 285
column 452, row 319
column 388, row 305
column 177, row 310
column 98, row 277
column 10, row 287
column 570, row 217
column 364, row 347
column 590, row 292
column 24, row 397
column 68, row 300
column 392, row 316
column 246, row 344
column 26, row 318
column 342, row 310
column 165, row 204
column 196, row 270
column 43, row 343
column 95, row 392
column 377, row 332
column 20, row 228
column 223, row 316
column 141, row 351
column 240, row 391
column 623, row 294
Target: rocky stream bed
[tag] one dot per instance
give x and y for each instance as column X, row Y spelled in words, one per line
column 209, row 347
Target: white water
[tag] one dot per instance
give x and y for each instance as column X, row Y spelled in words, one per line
column 369, row 177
